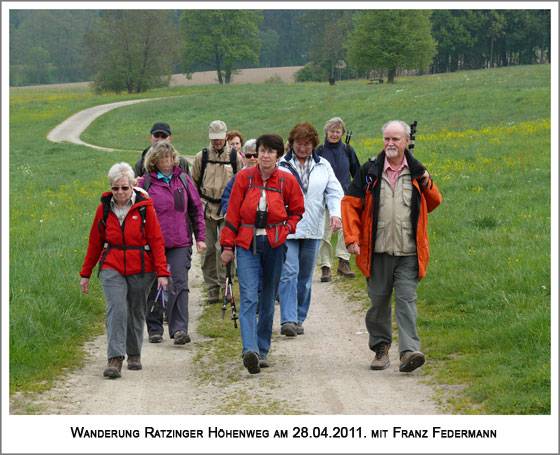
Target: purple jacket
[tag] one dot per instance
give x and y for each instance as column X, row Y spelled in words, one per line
column 174, row 206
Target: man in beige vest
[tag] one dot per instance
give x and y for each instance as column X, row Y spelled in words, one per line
column 212, row 169
column 385, row 220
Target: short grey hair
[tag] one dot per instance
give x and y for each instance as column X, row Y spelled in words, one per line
column 121, row 171
column 335, row 122
column 251, row 144
column 405, row 126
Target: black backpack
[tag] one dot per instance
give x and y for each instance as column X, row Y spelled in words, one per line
column 206, row 160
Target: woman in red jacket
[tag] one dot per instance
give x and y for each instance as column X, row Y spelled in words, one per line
column 265, row 205
column 126, row 240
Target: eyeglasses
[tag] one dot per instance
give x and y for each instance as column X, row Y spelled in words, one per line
column 250, row 155
column 117, row 188
column 160, row 135
column 335, row 132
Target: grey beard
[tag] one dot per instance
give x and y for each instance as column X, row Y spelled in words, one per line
column 392, row 153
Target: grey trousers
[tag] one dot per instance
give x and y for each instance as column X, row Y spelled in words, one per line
column 401, row 274
column 125, row 298
column 213, row 271
column 179, row 261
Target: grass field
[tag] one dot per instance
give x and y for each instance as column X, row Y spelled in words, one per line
column 484, row 307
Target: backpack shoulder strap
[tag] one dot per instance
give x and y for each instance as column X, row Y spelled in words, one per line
column 348, row 152
column 147, row 182
column 103, row 221
column 142, row 212
column 233, row 160
column 203, row 165
column 183, row 179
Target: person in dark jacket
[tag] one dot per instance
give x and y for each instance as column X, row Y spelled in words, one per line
column 160, row 132
column 126, row 240
column 177, row 208
column 345, row 164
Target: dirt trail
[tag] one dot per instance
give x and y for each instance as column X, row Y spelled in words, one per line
column 325, row 371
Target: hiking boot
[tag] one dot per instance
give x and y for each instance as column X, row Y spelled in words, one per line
column 181, row 337
column 344, row 269
column 213, row 296
column 156, row 338
column 299, row 328
column 114, row 366
column 381, row 360
column 410, row 360
column 251, row 362
column 263, row 361
column 289, row 329
column 325, row 274
column 133, row 362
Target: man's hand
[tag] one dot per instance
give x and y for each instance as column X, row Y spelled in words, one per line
column 200, row 246
column 425, row 179
column 336, row 223
column 227, row 257
column 353, row 248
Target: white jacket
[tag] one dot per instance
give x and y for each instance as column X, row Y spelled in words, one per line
column 324, row 189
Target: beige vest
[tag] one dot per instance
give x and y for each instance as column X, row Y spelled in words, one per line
column 394, row 230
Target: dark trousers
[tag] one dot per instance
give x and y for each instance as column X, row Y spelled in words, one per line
column 179, row 261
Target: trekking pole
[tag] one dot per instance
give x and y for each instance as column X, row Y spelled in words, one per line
column 159, row 293
column 412, row 136
column 348, row 137
column 224, row 305
column 229, row 291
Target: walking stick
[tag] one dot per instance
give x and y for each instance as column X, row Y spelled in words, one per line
column 228, row 296
column 348, row 137
column 412, row 136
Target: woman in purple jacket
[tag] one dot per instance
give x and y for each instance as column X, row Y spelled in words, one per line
column 180, row 215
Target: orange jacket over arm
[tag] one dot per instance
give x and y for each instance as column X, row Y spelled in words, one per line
column 361, row 204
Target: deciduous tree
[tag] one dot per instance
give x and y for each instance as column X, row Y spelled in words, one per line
column 132, row 50
column 391, row 39
column 220, row 40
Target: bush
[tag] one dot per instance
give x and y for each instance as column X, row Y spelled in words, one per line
column 276, row 79
column 312, row 72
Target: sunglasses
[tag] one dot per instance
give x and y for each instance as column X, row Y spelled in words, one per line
column 250, row 155
column 160, row 135
column 117, row 188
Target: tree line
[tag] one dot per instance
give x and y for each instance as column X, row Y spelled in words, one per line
column 133, row 50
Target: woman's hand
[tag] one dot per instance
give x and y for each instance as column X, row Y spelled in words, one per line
column 84, row 283
column 353, row 248
column 336, row 223
column 227, row 257
column 200, row 246
column 162, row 281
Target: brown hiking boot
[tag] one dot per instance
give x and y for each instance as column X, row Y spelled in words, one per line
column 344, row 269
column 213, row 296
column 381, row 360
column 114, row 366
column 133, row 362
column 410, row 360
column 325, row 274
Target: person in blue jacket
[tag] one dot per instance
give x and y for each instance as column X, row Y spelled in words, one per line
column 345, row 164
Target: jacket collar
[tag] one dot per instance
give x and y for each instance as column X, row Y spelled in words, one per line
column 314, row 154
column 416, row 167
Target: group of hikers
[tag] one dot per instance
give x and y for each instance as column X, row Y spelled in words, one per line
column 266, row 209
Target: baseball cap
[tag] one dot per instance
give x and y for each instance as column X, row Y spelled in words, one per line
column 217, row 130
column 161, row 127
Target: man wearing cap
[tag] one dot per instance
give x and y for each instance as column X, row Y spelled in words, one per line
column 212, row 169
column 159, row 132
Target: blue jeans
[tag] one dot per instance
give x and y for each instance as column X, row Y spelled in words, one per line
column 256, row 335
column 295, row 282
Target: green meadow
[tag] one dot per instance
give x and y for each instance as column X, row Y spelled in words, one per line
column 484, row 306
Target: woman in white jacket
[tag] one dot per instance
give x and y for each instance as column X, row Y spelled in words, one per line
column 320, row 187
